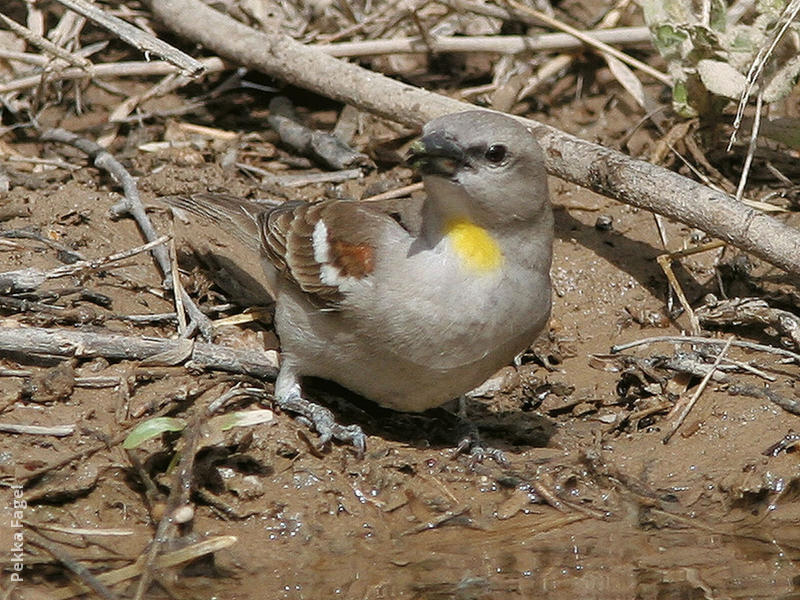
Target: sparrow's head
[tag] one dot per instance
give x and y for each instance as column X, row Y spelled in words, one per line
column 484, row 164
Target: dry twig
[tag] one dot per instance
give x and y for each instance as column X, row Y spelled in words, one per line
column 503, row 44
column 117, row 69
column 137, row 38
column 132, row 205
column 157, row 351
column 686, row 409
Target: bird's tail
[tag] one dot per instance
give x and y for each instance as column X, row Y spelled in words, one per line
column 234, row 215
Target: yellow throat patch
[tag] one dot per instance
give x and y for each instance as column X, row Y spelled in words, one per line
column 474, row 245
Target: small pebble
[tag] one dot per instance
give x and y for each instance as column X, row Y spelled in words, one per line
column 604, row 223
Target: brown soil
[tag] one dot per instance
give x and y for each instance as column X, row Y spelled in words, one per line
column 594, row 504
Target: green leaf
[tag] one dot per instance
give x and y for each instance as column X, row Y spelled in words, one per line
column 718, row 16
column 668, row 39
column 680, row 100
column 150, row 429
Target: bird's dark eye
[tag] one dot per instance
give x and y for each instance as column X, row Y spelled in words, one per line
column 496, row 153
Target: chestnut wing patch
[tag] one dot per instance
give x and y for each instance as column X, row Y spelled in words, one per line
column 325, row 248
column 352, row 260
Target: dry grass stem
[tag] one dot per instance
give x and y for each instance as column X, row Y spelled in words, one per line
column 593, row 42
column 502, row 44
column 683, row 411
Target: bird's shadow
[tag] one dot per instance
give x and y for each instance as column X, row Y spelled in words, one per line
column 438, row 428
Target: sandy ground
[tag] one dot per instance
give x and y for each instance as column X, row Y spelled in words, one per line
column 593, row 504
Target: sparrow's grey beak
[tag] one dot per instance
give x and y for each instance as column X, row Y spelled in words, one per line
column 435, row 154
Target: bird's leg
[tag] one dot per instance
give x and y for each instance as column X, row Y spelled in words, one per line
column 470, row 440
column 289, row 397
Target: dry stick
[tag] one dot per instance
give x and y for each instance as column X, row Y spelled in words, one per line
column 693, row 400
column 751, row 147
column 136, row 37
column 600, row 169
column 503, row 44
column 593, row 42
column 134, row 68
column 86, row 578
column 65, row 343
column 55, row 430
column 678, row 339
column 45, row 44
column 105, row 261
column 131, row 205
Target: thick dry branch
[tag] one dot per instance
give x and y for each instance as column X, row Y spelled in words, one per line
column 68, row 343
column 589, row 165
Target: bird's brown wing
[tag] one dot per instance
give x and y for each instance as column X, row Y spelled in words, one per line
column 325, row 248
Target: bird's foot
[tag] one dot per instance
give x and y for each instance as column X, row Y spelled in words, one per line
column 470, row 443
column 478, row 452
column 322, row 421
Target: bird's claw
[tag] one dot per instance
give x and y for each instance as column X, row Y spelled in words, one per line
column 324, row 423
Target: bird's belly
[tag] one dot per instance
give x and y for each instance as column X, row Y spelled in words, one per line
column 414, row 359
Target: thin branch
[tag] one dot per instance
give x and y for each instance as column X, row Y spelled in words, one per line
column 157, row 351
column 120, row 69
column 503, row 44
